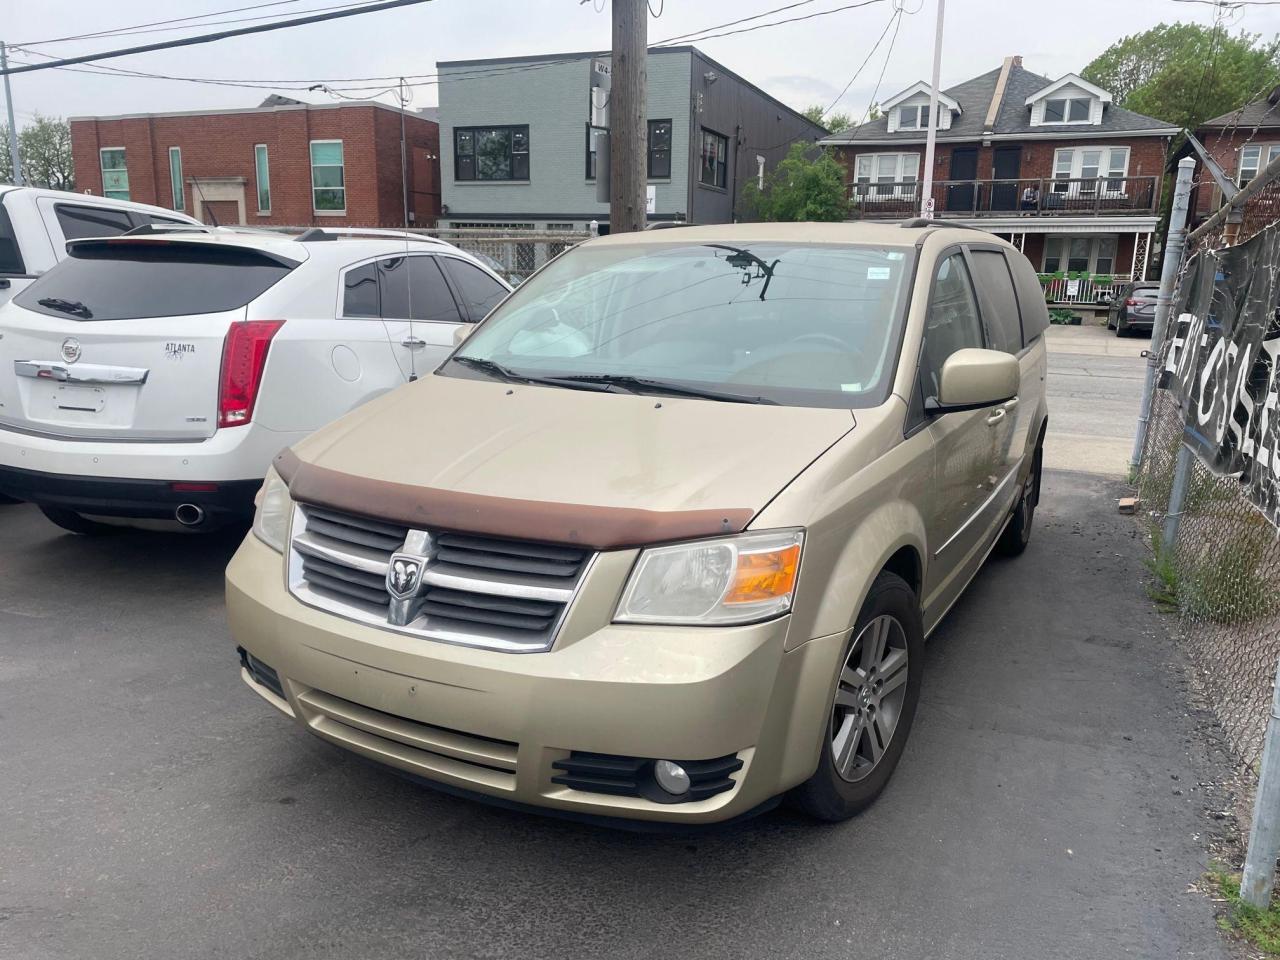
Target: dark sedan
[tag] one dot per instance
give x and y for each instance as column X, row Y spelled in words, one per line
column 1133, row 309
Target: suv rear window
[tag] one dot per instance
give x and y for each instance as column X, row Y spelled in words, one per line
column 79, row 222
column 115, row 280
column 10, row 255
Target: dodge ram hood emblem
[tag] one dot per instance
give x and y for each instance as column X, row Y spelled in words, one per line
column 71, row 350
column 404, row 576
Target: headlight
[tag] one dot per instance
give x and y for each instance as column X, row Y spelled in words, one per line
column 271, row 520
column 730, row 580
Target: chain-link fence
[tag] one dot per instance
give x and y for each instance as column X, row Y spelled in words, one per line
column 1221, row 568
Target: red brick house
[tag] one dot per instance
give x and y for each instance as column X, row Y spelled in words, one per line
column 1242, row 142
column 1051, row 165
column 283, row 163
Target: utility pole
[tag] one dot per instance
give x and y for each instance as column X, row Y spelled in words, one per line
column 627, row 108
column 1174, row 243
column 13, row 127
column 404, row 167
column 931, row 138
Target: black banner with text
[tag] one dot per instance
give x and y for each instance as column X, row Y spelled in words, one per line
column 1221, row 363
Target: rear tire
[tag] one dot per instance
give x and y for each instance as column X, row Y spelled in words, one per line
column 1017, row 532
column 875, row 701
column 1122, row 328
column 75, row 522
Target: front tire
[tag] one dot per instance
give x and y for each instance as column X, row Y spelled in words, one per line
column 75, row 522
column 874, row 704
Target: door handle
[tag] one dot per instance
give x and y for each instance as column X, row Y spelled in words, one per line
column 996, row 416
column 413, row 343
column 1011, row 404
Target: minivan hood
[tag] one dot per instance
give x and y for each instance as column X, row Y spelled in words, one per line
column 602, row 469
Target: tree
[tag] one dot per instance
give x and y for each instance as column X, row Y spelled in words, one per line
column 835, row 122
column 1186, row 73
column 44, row 147
column 806, row 185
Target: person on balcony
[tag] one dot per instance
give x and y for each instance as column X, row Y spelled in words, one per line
column 1031, row 197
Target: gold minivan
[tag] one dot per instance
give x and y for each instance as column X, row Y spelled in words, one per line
column 663, row 538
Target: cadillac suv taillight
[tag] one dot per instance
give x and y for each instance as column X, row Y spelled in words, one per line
column 244, row 356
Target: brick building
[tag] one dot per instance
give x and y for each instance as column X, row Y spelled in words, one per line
column 283, row 163
column 1242, row 142
column 1051, row 165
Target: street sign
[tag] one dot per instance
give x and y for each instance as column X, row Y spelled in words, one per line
column 601, row 84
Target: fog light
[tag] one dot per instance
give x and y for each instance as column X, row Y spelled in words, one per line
column 671, row 777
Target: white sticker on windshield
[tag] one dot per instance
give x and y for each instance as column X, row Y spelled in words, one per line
column 893, row 255
column 851, row 387
column 878, row 273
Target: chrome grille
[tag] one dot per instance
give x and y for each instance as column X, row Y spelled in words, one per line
column 478, row 591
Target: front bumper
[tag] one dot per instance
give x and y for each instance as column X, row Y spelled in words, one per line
column 496, row 723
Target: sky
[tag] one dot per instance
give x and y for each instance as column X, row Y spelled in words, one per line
column 802, row 63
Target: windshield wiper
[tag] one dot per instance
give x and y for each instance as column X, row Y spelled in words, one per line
column 66, row 306
column 656, row 385
column 502, row 372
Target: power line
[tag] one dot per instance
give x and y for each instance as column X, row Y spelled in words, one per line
column 775, row 23
column 884, row 66
column 211, row 37
column 157, row 23
column 871, row 53
column 734, row 23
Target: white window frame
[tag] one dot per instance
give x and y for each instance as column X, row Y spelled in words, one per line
column 1066, row 111
column 175, row 182
column 1106, row 171
column 1063, row 240
column 103, row 172
column 905, row 187
column 1259, row 151
column 919, row 110
column 259, row 181
column 343, row 166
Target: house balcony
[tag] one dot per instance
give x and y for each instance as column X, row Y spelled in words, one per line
column 1006, row 199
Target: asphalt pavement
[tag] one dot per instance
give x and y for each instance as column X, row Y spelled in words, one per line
column 1046, row 805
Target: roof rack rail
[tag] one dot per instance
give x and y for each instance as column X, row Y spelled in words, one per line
column 916, row 222
column 316, row 234
column 153, row 228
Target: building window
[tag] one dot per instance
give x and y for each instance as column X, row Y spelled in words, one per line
column 1251, row 160
column 886, row 175
column 328, row 186
column 660, row 150
column 914, row 117
column 263, row 175
column 594, row 136
column 714, row 168
column 1089, row 164
column 491, row 153
column 1073, row 110
column 115, row 177
column 1096, row 255
column 175, row 178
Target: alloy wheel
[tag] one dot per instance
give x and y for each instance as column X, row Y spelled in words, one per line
column 869, row 698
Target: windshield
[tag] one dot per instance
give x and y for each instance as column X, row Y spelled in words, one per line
column 797, row 324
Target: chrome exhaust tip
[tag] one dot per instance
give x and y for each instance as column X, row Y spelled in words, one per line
column 189, row 515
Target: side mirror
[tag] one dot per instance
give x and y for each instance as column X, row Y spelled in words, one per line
column 461, row 332
column 972, row 379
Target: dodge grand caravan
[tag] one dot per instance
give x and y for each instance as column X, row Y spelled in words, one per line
column 674, row 549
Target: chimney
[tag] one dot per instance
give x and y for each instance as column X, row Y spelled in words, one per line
column 1017, row 60
column 997, row 95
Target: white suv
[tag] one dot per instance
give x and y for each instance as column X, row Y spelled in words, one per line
column 156, row 374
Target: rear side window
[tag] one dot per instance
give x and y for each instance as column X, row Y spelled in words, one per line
column 480, row 292
column 1031, row 304
column 80, row 222
column 1001, row 308
column 360, row 292
column 123, row 281
column 399, row 288
column 10, row 256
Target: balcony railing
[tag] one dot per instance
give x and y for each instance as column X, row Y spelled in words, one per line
column 1081, row 288
column 1030, row 197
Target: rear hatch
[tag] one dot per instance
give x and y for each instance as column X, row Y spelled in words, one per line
column 1142, row 304
column 124, row 339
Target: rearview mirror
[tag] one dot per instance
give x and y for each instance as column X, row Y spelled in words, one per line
column 461, row 332
column 972, row 379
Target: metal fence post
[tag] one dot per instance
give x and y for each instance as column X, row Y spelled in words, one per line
column 1173, row 248
column 1177, row 497
column 1264, row 835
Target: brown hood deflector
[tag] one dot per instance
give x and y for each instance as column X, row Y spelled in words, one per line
column 603, row 528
